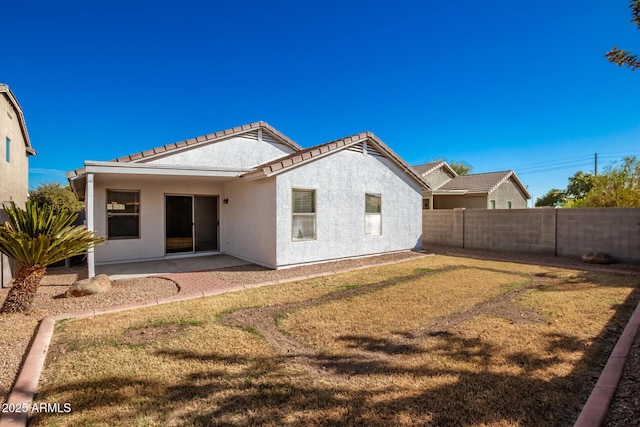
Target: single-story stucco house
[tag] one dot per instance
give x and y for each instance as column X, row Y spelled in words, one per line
column 253, row 193
column 492, row 190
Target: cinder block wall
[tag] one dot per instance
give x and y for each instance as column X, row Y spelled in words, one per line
column 549, row 231
column 438, row 226
column 522, row 230
column 615, row 231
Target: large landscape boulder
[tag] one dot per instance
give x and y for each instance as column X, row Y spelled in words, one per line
column 96, row 285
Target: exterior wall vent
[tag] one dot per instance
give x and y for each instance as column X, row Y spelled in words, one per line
column 253, row 135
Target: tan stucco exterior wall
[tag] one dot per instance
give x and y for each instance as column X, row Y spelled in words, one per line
column 506, row 192
column 452, row 202
column 438, row 177
column 14, row 175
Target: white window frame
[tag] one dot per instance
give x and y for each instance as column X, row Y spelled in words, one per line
column 114, row 212
column 296, row 234
column 369, row 217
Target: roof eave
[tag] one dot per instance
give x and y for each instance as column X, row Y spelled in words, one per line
column 23, row 124
column 188, row 144
column 399, row 162
column 512, row 174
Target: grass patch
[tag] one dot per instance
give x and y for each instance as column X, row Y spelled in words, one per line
column 439, row 340
column 279, row 317
column 253, row 330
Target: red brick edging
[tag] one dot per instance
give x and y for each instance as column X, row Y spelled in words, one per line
column 595, row 410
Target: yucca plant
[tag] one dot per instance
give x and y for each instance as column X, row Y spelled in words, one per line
column 35, row 237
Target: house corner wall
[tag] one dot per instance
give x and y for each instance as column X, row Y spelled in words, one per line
column 341, row 181
column 249, row 227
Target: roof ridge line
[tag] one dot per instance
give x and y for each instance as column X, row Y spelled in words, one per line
column 237, row 130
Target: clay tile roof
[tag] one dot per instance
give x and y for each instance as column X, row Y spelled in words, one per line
column 4, row 89
column 318, row 151
column 211, row 137
column 428, row 167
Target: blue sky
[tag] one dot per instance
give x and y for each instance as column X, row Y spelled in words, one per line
column 500, row 84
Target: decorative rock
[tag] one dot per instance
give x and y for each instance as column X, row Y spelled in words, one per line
column 597, row 258
column 96, row 285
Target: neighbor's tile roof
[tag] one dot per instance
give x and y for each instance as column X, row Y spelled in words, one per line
column 211, row 137
column 312, row 153
column 428, row 167
column 23, row 125
column 482, row 183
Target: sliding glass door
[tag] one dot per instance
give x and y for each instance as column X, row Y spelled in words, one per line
column 191, row 223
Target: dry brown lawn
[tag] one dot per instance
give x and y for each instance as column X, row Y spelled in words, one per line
column 434, row 341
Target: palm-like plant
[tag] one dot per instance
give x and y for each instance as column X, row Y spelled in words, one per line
column 36, row 237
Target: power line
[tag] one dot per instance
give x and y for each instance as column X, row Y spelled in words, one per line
column 572, row 163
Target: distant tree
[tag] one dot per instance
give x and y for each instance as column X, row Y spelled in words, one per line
column 461, row 168
column 623, row 57
column 579, row 185
column 552, row 197
column 57, row 197
column 618, row 186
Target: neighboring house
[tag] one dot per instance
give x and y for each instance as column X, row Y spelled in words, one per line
column 15, row 149
column 493, row 190
column 253, row 193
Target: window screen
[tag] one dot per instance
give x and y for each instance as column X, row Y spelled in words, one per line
column 372, row 215
column 123, row 214
column 303, row 215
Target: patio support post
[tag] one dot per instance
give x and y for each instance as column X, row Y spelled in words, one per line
column 89, row 206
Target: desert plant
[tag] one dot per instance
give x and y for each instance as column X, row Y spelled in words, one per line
column 36, row 237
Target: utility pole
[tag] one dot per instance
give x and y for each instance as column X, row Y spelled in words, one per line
column 595, row 164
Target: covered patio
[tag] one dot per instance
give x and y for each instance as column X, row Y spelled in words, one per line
column 168, row 265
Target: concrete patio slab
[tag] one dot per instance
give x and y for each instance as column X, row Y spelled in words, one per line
column 168, row 265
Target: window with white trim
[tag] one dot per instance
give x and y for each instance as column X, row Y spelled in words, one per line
column 372, row 214
column 303, row 215
column 123, row 214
